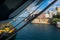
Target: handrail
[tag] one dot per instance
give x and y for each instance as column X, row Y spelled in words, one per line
column 25, row 6
column 32, row 19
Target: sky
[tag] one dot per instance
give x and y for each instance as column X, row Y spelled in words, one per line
column 46, row 2
column 43, row 5
column 57, row 4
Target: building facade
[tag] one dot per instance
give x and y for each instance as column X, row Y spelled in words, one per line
column 43, row 18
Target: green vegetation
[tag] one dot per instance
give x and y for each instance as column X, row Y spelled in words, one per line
column 56, row 18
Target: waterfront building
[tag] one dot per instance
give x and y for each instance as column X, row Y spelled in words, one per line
column 43, row 18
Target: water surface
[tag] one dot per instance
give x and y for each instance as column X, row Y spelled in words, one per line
column 38, row 32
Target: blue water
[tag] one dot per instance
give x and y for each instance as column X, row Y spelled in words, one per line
column 38, row 32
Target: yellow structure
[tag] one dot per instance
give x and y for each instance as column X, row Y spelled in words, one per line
column 11, row 31
column 6, row 28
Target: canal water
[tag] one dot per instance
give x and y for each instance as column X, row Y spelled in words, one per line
column 38, row 32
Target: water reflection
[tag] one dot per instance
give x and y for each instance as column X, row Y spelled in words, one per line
column 38, row 32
